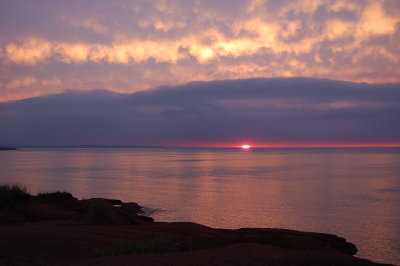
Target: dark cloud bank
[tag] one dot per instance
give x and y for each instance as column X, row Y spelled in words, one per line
column 284, row 111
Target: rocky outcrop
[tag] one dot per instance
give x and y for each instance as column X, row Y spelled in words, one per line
column 62, row 206
column 58, row 229
column 57, row 243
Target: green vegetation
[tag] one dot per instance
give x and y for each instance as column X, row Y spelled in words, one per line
column 54, row 196
column 8, row 216
column 123, row 247
column 11, row 194
column 99, row 213
column 157, row 244
column 17, row 205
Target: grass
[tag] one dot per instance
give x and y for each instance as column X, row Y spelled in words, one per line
column 99, row 214
column 123, row 247
column 157, row 244
column 11, row 194
column 54, row 196
column 8, row 216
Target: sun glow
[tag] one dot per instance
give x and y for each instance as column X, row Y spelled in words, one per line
column 245, row 147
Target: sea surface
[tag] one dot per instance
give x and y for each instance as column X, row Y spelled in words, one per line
column 353, row 193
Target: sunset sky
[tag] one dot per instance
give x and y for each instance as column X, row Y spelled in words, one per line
column 103, row 52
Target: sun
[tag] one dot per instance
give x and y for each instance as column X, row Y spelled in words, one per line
column 245, row 147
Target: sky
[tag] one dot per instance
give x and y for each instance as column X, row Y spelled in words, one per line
column 49, row 46
column 200, row 72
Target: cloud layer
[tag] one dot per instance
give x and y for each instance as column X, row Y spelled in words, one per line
column 126, row 46
column 266, row 112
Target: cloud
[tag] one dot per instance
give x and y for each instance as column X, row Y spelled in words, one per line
column 376, row 22
column 154, row 43
column 30, row 52
column 262, row 111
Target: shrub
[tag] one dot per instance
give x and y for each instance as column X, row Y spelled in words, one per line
column 123, row 247
column 99, row 213
column 54, row 196
column 160, row 244
column 11, row 194
column 8, row 216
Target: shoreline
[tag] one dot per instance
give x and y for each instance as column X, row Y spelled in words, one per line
column 56, row 228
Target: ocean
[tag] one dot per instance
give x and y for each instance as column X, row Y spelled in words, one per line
column 350, row 192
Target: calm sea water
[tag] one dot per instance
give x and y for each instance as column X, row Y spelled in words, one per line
column 354, row 193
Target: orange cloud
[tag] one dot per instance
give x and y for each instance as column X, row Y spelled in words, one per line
column 375, row 21
column 154, row 43
column 30, row 52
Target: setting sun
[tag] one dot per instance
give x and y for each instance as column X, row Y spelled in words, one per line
column 245, row 147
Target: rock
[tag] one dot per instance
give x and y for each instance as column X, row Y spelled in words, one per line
column 291, row 238
column 119, row 212
column 144, row 218
column 115, row 201
column 194, row 244
column 40, row 211
column 56, row 234
column 104, row 200
column 132, row 206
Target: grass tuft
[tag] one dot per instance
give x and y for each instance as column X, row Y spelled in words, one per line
column 99, row 213
column 8, row 216
column 54, row 196
column 123, row 247
column 11, row 194
column 160, row 244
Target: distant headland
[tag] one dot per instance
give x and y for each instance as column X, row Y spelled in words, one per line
column 7, row 148
column 89, row 146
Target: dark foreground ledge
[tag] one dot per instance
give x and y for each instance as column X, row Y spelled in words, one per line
column 57, row 229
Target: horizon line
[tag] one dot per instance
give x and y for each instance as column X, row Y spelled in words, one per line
column 254, row 146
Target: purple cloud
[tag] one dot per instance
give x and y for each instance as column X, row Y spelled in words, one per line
column 266, row 111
